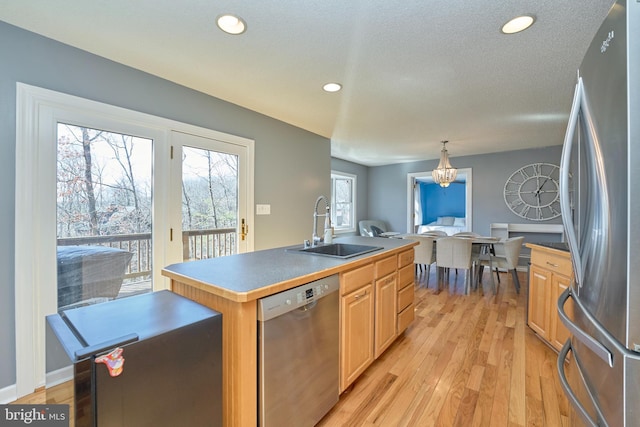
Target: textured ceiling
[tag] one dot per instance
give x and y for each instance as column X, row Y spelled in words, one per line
column 414, row 72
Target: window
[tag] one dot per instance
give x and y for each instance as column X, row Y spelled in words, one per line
column 114, row 176
column 343, row 205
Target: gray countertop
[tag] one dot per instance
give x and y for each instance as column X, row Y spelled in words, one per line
column 256, row 274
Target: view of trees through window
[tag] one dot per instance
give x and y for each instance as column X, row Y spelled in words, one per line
column 104, row 211
column 209, row 203
column 104, row 214
column 342, row 201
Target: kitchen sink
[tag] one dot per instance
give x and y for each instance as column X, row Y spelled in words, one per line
column 339, row 250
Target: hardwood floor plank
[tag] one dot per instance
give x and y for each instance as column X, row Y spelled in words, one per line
column 464, row 416
column 517, row 409
column 500, row 408
column 482, row 413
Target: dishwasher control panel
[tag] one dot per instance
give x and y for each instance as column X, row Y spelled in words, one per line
column 300, row 296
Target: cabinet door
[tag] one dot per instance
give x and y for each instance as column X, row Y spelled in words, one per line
column 539, row 287
column 357, row 334
column 386, row 313
column 558, row 334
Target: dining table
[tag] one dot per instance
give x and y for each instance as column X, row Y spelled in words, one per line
column 486, row 249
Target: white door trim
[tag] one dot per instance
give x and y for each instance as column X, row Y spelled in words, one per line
column 426, row 176
column 37, row 112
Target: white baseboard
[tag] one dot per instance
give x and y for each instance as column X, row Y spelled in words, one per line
column 8, row 394
column 60, row 376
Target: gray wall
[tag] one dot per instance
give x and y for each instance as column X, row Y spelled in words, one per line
column 284, row 176
column 388, row 186
column 362, row 192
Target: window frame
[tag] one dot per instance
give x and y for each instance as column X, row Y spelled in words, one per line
column 354, row 186
column 38, row 111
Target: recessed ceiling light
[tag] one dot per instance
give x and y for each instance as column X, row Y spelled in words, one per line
column 518, row 24
column 231, row 24
column 332, row 87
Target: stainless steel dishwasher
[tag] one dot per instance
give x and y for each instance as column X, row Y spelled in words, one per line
column 298, row 354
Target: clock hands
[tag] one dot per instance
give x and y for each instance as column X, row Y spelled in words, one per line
column 539, row 190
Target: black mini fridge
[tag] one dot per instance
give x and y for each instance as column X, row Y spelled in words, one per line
column 149, row 360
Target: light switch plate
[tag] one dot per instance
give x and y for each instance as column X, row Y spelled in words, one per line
column 263, row 209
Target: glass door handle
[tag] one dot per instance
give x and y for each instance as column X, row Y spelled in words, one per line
column 244, row 230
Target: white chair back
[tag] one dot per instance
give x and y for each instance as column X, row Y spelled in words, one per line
column 466, row 234
column 365, row 227
column 507, row 253
column 453, row 252
column 436, row 233
column 423, row 253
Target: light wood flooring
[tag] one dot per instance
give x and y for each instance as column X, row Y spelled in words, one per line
column 466, row 360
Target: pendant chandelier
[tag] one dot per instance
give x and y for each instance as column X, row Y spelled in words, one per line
column 444, row 174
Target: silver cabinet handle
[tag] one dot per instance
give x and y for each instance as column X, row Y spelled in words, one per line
column 552, row 264
column 567, row 388
column 601, row 351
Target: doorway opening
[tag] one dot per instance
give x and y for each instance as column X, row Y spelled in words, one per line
column 427, row 208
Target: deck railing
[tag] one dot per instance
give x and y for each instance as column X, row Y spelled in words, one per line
column 196, row 244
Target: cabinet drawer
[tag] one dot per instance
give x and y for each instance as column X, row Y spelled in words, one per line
column 354, row 279
column 406, row 276
column 405, row 318
column 385, row 266
column 405, row 297
column 552, row 262
column 405, row 258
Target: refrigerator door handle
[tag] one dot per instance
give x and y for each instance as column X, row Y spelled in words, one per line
column 600, row 350
column 565, row 206
column 573, row 399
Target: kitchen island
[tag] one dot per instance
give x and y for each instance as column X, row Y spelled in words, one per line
column 233, row 285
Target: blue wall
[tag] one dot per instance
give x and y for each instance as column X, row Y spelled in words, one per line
column 438, row 201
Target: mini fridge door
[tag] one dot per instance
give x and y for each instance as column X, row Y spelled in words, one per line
column 148, row 360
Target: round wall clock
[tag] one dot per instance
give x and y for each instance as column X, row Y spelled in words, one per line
column 531, row 192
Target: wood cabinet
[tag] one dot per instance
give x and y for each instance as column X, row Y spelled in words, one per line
column 376, row 305
column 549, row 276
column 406, row 291
column 385, row 304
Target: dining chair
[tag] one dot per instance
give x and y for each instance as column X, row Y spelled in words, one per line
column 454, row 252
column 436, row 233
column 475, row 249
column 423, row 253
column 466, row 234
column 506, row 255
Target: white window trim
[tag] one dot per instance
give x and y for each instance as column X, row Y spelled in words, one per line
column 37, row 112
column 354, row 195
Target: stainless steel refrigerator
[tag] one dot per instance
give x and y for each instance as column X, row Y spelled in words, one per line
column 600, row 201
column 147, row 360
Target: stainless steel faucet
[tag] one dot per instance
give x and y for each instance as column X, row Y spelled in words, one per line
column 315, row 239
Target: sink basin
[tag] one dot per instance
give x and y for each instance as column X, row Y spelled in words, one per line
column 339, row 250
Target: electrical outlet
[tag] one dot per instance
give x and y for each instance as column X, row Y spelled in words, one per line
column 263, row 209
